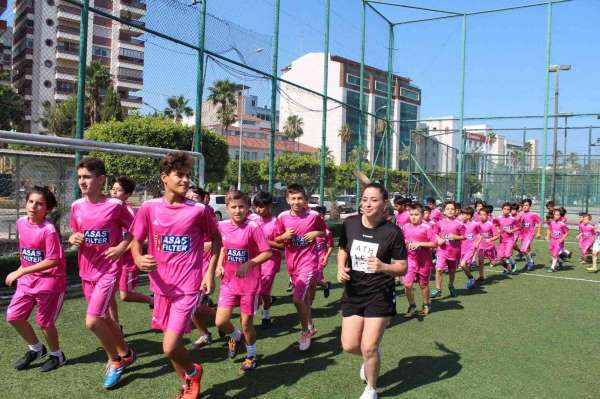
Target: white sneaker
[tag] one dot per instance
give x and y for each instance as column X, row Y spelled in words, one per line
column 362, row 375
column 369, row 393
column 203, row 341
column 304, row 341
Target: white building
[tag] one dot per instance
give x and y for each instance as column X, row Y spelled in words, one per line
column 344, row 84
column 46, row 51
column 5, row 48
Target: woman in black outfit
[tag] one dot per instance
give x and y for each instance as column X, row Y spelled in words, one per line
column 371, row 253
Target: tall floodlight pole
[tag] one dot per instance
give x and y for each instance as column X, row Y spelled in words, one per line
column 388, row 114
column 556, row 70
column 460, row 166
column 361, row 101
column 274, row 93
column 542, row 198
column 324, row 109
column 199, row 88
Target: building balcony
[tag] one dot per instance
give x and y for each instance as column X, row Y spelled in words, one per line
column 67, row 32
column 130, row 83
column 131, row 102
column 133, row 27
column 132, row 41
column 132, row 8
column 135, row 62
column 70, row 54
column 68, row 12
column 66, row 73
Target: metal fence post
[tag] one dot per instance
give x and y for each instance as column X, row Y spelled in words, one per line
column 361, row 102
column 542, row 198
column 324, row 112
column 273, row 93
column 199, row 85
column 460, row 177
column 81, row 76
column 388, row 116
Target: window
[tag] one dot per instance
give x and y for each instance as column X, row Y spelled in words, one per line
column 125, row 52
column 355, row 80
column 220, row 200
column 381, row 86
column 50, row 2
column 65, row 87
column 49, row 22
column 48, row 64
column 101, row 51
column 47, row 84
column 102, row 31
column 49, row 42
column 413, row 95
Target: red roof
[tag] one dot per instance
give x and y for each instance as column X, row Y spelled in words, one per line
column 263, row 144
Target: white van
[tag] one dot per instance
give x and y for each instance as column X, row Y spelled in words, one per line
column 217, row 202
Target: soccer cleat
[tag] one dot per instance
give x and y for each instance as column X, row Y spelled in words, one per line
column 53, row 362
column 232, row 348
column 436, row 293
column 304, row 341
column 369, row 393
column 221, row 334
column 248, row 364
column 327, row 289
column 313, row 331
column 361, row 373
column 513, row 268
column 113, row 374
column 470, row 283
column 202, row 341
column 29, row 357
column 191, row 388
column 425, row 310
column 530, row 266
column 453, row 292
column 591, row 269
column 265, row 324
column 129, row 360
column 412, row 310
column 550, row 270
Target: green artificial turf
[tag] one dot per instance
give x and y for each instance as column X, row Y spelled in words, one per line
column 521, row 336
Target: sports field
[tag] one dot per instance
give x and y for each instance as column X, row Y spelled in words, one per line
column 523, row 336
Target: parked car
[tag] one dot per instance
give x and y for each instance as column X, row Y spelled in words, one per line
column 346, row 203
column 313, row 202
column 217, row 202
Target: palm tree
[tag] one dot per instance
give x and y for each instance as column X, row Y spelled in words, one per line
column 97, row 82
column 293, row 129
column 328, row 153
column 573, row 161
column 223, row 94
column 345, row 134
column 353, row 156
column 177, row 108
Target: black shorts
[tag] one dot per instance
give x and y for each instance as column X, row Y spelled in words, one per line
column 378, row 304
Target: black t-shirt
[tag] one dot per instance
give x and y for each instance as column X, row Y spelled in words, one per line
column 385, row 241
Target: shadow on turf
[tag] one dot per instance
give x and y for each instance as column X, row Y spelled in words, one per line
column 416, row 371
column 285, row 368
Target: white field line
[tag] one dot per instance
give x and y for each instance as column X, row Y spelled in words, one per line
column 549, row 276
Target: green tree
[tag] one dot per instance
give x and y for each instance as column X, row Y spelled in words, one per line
column 111, row 106
column 223, row 94
column 353, row 156
column 161, row 133
column 97, row 83
column 12, row 109
column 177, row 108
column 304, row 170
column 60, row 118
column 294, row 129
column 252, row 174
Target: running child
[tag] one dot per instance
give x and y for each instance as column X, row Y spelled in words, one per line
column 263, row 204
column 435, row 214
column 420, row 239
column 479, row 204
column 556, row 234
column 400, row 208
column 507, row 225
column 122, row 189
column 324, row 248
column 529, row 221
column 41, row 281
column 244, row 249
column 176, row 229
column 586, row 236
column 595, row 250
column 450, row 232
column 298, row 228
column 469, row 246
column 97, row 223
column 487, row 247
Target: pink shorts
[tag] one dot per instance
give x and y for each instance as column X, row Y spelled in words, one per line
column 556, row 248
column 99, row 294
column 468, row 256
column 301, row 281
column 48, row 305
column 443, row 263
column 248, row 303
column 488, row 253
column 418, row 273
column 266, row 284
column 128, row 279
column 174, row 313
column 505, row 249
column 586, row 247
column 526, row 244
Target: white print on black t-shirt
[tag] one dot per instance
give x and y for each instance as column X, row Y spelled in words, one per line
column 360, row 252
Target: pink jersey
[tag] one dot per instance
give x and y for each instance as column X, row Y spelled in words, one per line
column 418, row 233
column 557, row 229
column 472, row 233
column 253, row 217
column 38, row 242
column 322, row 244
column 176, row 234
column 450, row 249
column 505, row 224
column 402, row 219
column 272, row 265
column 207, row 255
column 487, row 230
column 529, row 221
column 240, row 244
column 300, row 253
column 587, row 231
column 102, row 224
column 435, row 215
column 126, row 262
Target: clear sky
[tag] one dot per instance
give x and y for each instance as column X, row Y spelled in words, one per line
column 505, row 58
